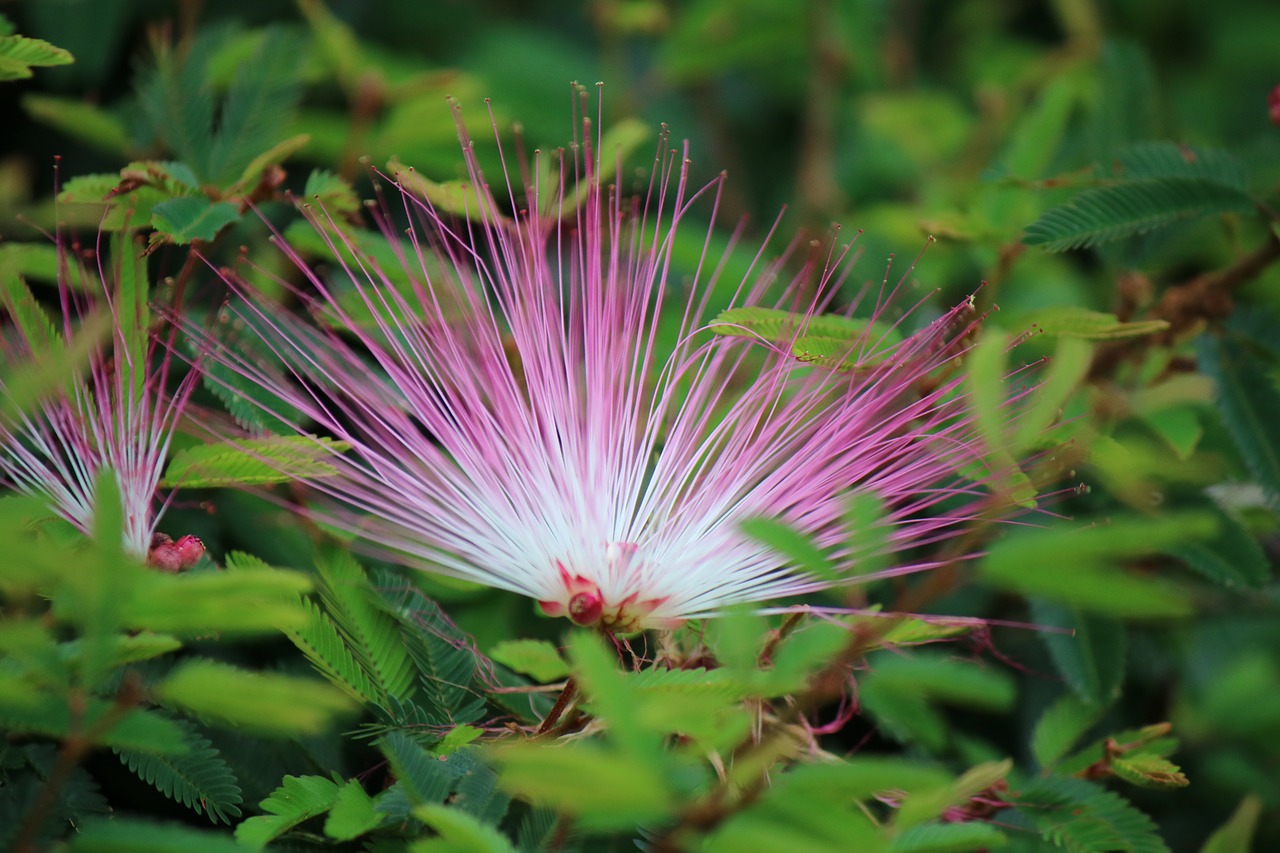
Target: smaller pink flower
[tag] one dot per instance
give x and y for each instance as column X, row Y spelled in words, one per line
column 113, row 414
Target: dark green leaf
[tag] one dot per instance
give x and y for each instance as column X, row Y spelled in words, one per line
column 1061, row 727
column 1249, row 405
column 259, row 103
column 199, row 778
column 948, row 838
column 1109, row 213
column 1173, row 160
column 1088, row 651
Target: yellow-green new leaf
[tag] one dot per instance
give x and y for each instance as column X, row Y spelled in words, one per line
column 269, row 703
column 253, row 462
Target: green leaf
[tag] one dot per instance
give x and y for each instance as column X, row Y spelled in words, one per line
column 459, row 198
column 189, row 218
column 140, row 730
column 1237, row 833
column 1037, row 136
column 1109, row 213
column 832, row 340
column 1233, row 558
column 1082, row 817
column 324, row 645
column 1069, row 321
column 605, row 789
column 177, row 100
column 298, row 799
column 1071, row 360
column 940, row 679
column 253, row 462
column 1061, row 727
column 33, row 322
column 927, row 804
column 425, row 778
column 121, row 834
column 798, row 549
column 459, row 832
column 260, row 101
column 199, row 778
column 1081, row 567
column 352, row 813
column 1249, row 405
column 80, row 120
column 273, row 156
column 948, row 838
column 19, row 54
column 202, row 603
column 253, row 406
column 1177, row 160
column 32, row 261
column 333, row 193
column 443, row 656
column 1148, row 771
column 538, row 659
column 131, row 309
column 1087, row 650
column 269, row 703
column 371, row 633
column 986, row 395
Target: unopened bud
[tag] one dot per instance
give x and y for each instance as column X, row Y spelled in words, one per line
column 169, row 556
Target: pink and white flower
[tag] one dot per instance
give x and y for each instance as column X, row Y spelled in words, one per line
column 114, row 414
column 545, row 407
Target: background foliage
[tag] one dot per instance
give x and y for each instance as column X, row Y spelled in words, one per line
column 1109, row 170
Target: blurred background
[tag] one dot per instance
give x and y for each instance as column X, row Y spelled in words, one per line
column 962, row 120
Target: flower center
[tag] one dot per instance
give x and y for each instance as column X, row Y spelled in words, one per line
column 585, row 605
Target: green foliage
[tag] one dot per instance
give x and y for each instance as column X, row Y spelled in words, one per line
column 831, row 340
column 1124, row 209
column 187, row 219
column 252, row 462
column 1080, row 816
column 1085, row 571
column 1144, row 366
column 19, row 54
column 296, row 800
column 198, row 778
column 1250, row 407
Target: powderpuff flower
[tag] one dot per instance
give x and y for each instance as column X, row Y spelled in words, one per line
column 535, row 397
column 114, row 414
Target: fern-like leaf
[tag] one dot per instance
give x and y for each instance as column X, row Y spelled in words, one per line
column 1249, row 405
column 323, row 645
column 177, row 100
column 1109, row 213
column 199, row 778
column 18, row 54
column 1081, row 817
column 1171, row 160
column 371, row 633
column 446, row 662
column 259, row 103
column 298, row 799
